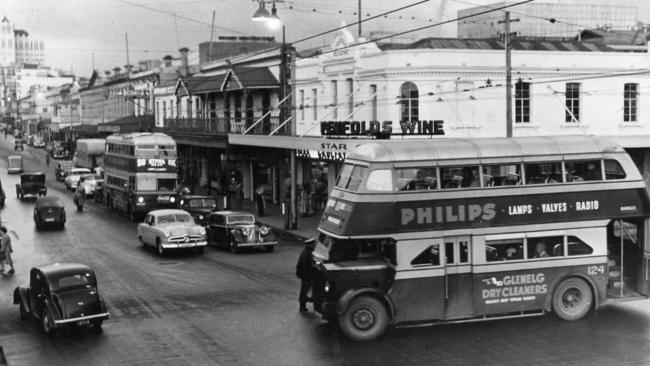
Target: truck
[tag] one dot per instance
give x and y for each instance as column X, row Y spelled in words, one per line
column 90, row 153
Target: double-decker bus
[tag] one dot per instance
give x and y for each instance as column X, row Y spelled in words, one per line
column 140, row 173
column 454, row 230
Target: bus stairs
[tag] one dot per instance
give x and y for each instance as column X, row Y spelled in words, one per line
column 617, row 282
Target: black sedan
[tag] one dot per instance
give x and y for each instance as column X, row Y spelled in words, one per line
column 62, row 168
column 199, row 207
column 31, row 184
column 237, row 229
column 62, row 294
column 49, row 211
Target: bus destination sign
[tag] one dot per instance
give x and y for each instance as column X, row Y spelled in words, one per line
column 155, row 165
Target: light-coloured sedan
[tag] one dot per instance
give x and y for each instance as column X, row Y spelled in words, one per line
column 171, row 229
column 72, row 179
column 89, row 183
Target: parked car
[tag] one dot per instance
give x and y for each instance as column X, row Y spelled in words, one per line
column 62, row 294
column 89, row 183
column 19, row 144
column 38, row 142
column 199, row 207
column 62, row 168
column 171, row 229
column 58, row 150
column 237, row 229
column 72, row 178
column 49, row 211
column 31, row 184
column 14, row 164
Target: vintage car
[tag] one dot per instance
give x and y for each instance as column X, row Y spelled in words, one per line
column 89, row 183
column 171, row 229
column 19, row 144
column 38, row 142
column 14, row 164
column 62, row 294
column 31, row 184
column 49, row 211
column 72, row 178
column 199, row 207
column 62, row 168
column 237, row 229
column 58, row 150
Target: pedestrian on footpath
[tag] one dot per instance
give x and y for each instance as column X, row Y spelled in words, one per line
column 304, row 272
column 259, row 200
column 5, row 243
column 47, row 159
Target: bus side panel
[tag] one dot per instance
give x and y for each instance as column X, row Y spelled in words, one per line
column 530, row 289
column 459, row 296
column 418, row 299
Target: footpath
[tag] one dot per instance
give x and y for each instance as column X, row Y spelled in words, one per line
column 273, row 217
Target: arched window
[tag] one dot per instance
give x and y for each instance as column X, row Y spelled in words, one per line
column 409, row 101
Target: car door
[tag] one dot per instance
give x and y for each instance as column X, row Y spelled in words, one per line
column 216, row 229
column 149, row 230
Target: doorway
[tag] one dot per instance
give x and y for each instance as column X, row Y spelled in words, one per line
column 626, row 249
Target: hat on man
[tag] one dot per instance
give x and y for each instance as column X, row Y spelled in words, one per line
column 311, row 242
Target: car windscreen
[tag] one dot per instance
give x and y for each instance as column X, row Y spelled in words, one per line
column 240, row 219
column 169, row 218
column 202, row 202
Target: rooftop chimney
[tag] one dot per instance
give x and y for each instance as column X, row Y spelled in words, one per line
column 184, row 65
column 168, row 60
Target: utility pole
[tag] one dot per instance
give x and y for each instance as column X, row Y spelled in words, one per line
column 359, row 22
column 211, row 37
column 508, row 48
column 126, row 38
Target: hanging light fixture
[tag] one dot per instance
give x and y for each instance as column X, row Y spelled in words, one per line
column 274, row 21
column 261, row 14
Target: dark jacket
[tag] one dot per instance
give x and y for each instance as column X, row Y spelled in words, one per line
column 304, row 265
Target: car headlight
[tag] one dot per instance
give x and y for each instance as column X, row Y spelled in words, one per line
column 166, row 234
column 200, row 217
column 202, row 231
column 140, row 199
column 327, row 287
column 172, row 200
column 246, row 231
column 264, row 230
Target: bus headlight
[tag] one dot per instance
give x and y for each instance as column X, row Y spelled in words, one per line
column 264, row 230
column 140, row 199
column 172, row 200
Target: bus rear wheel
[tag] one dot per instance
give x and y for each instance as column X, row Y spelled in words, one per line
column 572, row 299
column 365, row 319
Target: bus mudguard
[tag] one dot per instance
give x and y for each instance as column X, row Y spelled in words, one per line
column 548, row 304
column 345, row 299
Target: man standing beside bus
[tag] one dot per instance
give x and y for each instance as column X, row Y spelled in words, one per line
column 304, row 272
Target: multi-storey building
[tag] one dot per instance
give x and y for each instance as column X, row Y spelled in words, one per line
column 546, row 19
column 29, row 75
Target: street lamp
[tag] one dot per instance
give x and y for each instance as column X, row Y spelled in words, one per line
column 273, row 21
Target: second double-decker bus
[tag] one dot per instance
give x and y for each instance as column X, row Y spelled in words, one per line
column 458, row 230
column 140, row 173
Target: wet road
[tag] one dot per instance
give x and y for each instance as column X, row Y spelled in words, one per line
column 226, row 309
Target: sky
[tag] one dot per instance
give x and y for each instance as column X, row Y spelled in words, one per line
column 77, row 31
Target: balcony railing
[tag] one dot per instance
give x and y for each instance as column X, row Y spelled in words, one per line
column 223, row 126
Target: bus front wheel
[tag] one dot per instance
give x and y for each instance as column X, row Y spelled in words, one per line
column 572, row 299
column 365, row 319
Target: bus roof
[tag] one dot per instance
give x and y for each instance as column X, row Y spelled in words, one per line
column 141, row 138
column 479, row 148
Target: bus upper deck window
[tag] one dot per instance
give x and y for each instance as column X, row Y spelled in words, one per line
column 380, row 181
column 543, row 173
column 613, row 170
column 501, row 175
column 416, row 179
column 459, row 177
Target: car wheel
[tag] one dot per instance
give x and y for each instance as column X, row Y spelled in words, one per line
column 572, row 299
column 269, row 248
column 365, row 319
column 23, row 312
column 46, row 323
column 159, row 247
column 234, row 247
column 142, row 241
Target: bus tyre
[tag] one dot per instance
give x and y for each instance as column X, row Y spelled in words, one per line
column 365, row 319
column 572, row 299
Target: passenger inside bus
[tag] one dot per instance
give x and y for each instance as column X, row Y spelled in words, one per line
column 540, row 250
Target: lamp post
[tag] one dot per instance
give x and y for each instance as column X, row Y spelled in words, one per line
column 273, row 21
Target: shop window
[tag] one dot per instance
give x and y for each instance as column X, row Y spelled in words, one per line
column 504, row 249
column 430, row 256
column 544, row 247
column 630, row 102
column 350, row 92
column 583, row 170
column 335, row 99
column 572, row 100
column 416, row 179
column 522, row 102
column 575, row 246
column 409, row 102
column 613, row 170
column 314, row 100
column 501, row 175
column 543, row 173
